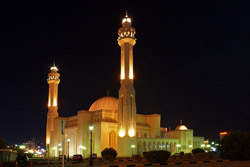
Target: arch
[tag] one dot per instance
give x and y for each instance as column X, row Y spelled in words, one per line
column 175, row 147
column 149, row 146
column 138, row 148
column 154, row 146
column 158, row 146
column 171, row 147
column 144, row 147
column 167, row 147
column 72, row 144
column 112, row 139
column 145, row 135
column 162, row 146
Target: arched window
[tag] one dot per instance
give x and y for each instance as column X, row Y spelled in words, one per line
column 171, row 147
column 167, row 147
column 144, row 146
column 112, row 140
column 158, row 146
column 154, row 146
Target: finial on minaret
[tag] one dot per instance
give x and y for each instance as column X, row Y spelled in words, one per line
column 181, row 121
column 107, row 92
column 126, row 15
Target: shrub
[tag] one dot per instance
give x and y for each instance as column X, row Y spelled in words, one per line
column 109, row 153
column 198, row 150
column 157, row 156
column 181, row 154
column 235, row 146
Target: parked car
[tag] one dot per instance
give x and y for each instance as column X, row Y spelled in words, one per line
column 22, row 159
column 60, row 157
column 77, row 157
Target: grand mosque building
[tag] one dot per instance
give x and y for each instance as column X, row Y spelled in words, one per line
column 116, row 123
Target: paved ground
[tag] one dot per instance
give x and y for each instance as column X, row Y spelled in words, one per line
column 214, row 164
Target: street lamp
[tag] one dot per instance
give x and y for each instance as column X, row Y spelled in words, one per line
column 68, row 140
column 132, row 146
column 91, row 128
column 48, row 141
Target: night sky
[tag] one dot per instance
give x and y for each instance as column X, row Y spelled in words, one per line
column 191, row 62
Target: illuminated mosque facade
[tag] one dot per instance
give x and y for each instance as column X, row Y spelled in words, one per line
column 116, row 123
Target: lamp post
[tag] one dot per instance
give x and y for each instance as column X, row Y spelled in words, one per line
column 68, row 140
column 91, row 128
column 132, row 146
column 48, row 141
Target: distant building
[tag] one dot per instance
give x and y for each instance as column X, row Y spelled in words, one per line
column 222, row 134
column 30, row 145
column 116, row 123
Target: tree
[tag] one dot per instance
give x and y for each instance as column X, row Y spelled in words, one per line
column 3, row 143
column 235, row 146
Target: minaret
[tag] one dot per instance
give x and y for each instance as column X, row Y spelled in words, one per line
column 127, row 106
column 53, row 81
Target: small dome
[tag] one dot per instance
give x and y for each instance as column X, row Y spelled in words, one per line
column 181, row 127
column 105, row 103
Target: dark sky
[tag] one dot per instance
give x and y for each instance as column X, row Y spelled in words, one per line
column 191, row 62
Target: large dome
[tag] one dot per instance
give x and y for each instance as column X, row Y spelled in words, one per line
column 181, row 127
column 105, row 103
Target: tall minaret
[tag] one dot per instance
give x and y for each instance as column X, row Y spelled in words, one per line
column 127, row 106
column 53, row 81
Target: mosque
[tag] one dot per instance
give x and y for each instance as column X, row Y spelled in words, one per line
column 115, row 121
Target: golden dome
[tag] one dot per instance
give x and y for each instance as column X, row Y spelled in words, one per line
column 105, row 103
column 181, row 127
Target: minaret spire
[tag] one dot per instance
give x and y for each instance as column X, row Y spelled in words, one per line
column 53, row 81
column 127, row 105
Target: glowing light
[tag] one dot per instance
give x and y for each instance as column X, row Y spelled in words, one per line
column 54, row 148
column 31, row 151
column 68, row 140
column 54, row 68
column 121, row 133
column 122, row 67
column 178, row 145
column 190, row 146
column 203, row 145
column 182, row 127
column 212, row 143
column 48, row 140
column 208, row 146
column 91, row 127
column 131, row 74
column 223, row 133
column 82, row 147
column 126, row 20
column 131, row 132
column 54, row 102
column 22, row 147
column 59, row 144
column 60, row 149
column 49, row 102
column 132, row 146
